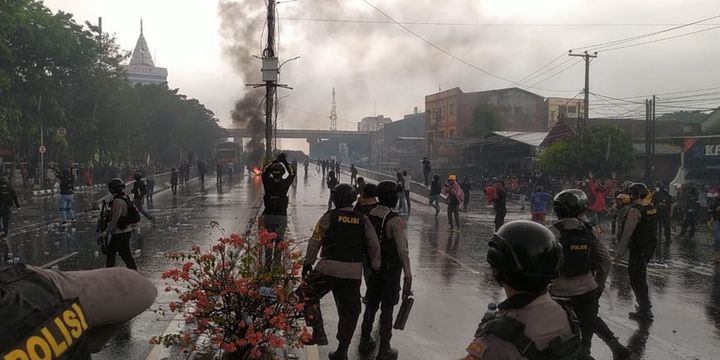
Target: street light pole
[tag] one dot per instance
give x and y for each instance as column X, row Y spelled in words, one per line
column 269, row 53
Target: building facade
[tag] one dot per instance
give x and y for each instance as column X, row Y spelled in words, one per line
column 399, row 144
column 372, row 123
column 563, row 108
column 449, row 113
column 141, row 69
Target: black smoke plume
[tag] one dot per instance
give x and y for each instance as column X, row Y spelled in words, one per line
column 241, row 24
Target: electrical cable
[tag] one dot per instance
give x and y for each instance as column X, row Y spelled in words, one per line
column 662, row 39
column 446, row 52
column 596, row 47
column 557, row 73
column 385, row 22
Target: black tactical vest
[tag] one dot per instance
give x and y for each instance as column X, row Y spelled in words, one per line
column 5, row 198
column 390, row 259
column 576, row 249
column 36, row 322
column 513, row 331
column 344, row 240
column 645, row 235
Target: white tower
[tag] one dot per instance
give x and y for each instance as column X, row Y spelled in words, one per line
column 333, row 112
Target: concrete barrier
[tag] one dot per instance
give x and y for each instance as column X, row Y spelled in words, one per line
column 162, row 182
column 415, row 187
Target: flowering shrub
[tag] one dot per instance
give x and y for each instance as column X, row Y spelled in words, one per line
column 232, row 302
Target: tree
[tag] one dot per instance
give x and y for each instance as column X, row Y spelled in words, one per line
column 485, row 119
column 603, row 150
column 685, row 117
column 55, row 73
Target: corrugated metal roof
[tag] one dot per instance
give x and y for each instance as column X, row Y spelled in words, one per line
column 530, row 138
column 660, row 149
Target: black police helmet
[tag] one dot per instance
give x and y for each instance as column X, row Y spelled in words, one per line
column 116, row 186
column 343, row 195
column 276, row 170
column 638, row 191
column 387, row 193
column 525, row 255
column 4, row 181
column 369, row 191
column 137, row 176
column 570, row 203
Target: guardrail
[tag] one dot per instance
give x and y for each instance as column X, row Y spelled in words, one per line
column 162, row 182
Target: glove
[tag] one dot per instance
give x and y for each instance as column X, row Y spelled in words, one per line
column 307, row 268
column 407, row 287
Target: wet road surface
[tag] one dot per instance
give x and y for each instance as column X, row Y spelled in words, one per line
column 452, row 281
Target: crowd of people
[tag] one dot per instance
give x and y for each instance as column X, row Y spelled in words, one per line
column 553, row 272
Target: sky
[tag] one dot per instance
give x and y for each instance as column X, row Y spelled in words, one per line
column 381, row 68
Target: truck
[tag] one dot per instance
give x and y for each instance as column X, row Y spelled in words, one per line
column 229, row 155
column 699, row 162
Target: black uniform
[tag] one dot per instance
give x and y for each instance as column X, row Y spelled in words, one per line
column 690, row 205
column 31, row 306
column 276, row 203
column 500, row 206
column 342, row 236
column 384, row 286
column 8, row 198
column 640, row 237
column 663, row 203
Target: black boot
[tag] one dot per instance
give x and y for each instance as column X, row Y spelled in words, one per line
column 620, row 351
column 319, row 337
column 337, row 355
column 367, row 344
column 341, row 352
column 641, row 315
column 387, row 353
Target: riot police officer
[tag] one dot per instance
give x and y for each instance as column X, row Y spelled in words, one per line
column 524, row 257
column 274, row 217
column 118, row 230
column 640, row 237
column 384, row 286
column 8, row 198
column 663, row 203
column 342, row 236
column 585, row 269
column 73, row 313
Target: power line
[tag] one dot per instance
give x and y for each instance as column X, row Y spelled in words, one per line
column 662, row 39
column 558, row 73
column 471, row 24
column 530, row 76
column 596, row 47
column 448, row 53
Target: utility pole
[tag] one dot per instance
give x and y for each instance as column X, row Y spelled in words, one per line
column 652, row 140
column 583, row 125
column 270, row 59
column 648, row 135
column 333, row 112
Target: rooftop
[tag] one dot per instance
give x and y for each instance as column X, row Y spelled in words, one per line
column 530, row 138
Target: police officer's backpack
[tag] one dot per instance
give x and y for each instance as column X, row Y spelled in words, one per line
column 513, row 332
column 389, row 256
column 36, row 322
column 5, row 197
column 576, row 245
column 133, row 215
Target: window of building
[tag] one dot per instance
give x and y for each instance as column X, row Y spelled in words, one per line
column 441, row 134
column 572, row 109
column 452, row 109
column 451, row 133
column 563, row 110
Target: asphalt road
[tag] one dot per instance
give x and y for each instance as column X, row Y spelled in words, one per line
column 452, row 281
